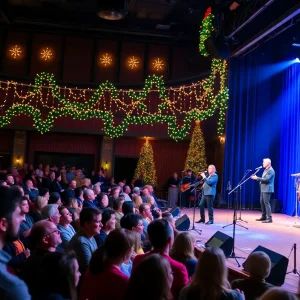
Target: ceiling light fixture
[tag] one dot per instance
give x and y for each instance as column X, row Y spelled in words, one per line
column 112, row 10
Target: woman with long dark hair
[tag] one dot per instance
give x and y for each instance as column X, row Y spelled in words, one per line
column 59, row 276
column 152, row 279
column 104, row 280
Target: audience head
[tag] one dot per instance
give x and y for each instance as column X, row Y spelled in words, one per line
column 183, row 247
column 96, row 189
column 211, row 274
column 169, row 217
column 86, row 182
column 132, row 222
column 153, row 269
column 103, row 200
column 10, row 217
column 117, row 248
column 24, row 206
column 74, row 213
column 146, row 192
column 72, row 184
column 65, row 216
column 278, row 294
column 117, row 205
column 57, row 176
column 40, row 202
column 136, row 190
column 90, row 221
column 29, row 184
column 9, row 179
column 145, row 211
column 44, row 192
column 88, row 195
column 63, row 267
column 3, row 183
column 161, row 234
column 52, row 175
column 72, row 202
column 78, row 192
column 50, row 212
column 108, row 220
column 137, row 201
column 45, row 235
column 258, row 265
column 137, row 240
column 126, row 189
column 128, row 208
column 55, row 199
column 19, row 188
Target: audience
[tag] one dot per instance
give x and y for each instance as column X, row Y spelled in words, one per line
column 83, row 242
column 156, row 271
column 128, row 208
column 64, row 269
column 79, row 196
column 161, row 237
column 183, row 251
column 108, row 225
column 50, row 212
column 39, row 204
column 169, row 217
column 210, row 280
column 55, row 186
column 127, row 191
column 66, row 229
column 89, row 198
column 146, row 214
column 45, row 238
column 11, row 287
column 104, row 280
column 258, row 265
column 31, row 190
column 102, row 201
column 278, row 294
column 26, row 224
column 70, row 191
column 117, row 206
column 55, row 199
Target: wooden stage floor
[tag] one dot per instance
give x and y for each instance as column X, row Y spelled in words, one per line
column 278, row 236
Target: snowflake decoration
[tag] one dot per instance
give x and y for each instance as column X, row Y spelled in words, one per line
column 46, row 54
column 106, row 60
column 133, row 62
column 15, row 51
column 158, row 64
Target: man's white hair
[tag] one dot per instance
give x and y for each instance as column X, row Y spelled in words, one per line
column 267, row 160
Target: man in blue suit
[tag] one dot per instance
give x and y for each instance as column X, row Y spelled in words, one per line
column 266, row 183
column 208, row 194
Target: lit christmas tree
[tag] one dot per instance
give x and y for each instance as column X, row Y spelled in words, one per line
column 146, row 167
column 196, row 157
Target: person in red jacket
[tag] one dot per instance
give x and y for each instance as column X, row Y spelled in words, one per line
column 161, row 236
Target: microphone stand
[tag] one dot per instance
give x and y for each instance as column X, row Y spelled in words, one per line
column 232, row 255
column 240, row 198
column 194, row 209
column 181, row 181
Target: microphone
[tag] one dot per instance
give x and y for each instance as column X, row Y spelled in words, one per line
column 260, row 167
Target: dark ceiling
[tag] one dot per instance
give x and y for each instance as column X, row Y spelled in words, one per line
column 167, row 19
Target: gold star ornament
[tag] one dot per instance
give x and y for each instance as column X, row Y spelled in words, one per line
column 46, row 54
column 106, row 60
column 158, row 64
column 15, row 51
column 133, row 62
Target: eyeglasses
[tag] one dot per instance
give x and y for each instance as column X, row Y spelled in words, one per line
column 54, row 231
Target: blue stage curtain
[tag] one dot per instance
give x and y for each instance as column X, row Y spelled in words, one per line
column 263, row 121
column 290, row 138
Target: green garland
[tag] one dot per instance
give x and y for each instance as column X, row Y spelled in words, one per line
column 206, row 30
column 87, row 110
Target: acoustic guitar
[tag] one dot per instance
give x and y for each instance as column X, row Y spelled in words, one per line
column 186, row 186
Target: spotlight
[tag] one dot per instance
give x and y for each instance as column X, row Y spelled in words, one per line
column 297, row 60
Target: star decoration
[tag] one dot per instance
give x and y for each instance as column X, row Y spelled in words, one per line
column 15, row 51
column 106, row 60
column 158, row 64
column 46, row 54
column 133, row 62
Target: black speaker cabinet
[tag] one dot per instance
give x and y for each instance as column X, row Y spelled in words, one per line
column 222, row 241
column 183, row 223
column 279, row 265
column 175, row 211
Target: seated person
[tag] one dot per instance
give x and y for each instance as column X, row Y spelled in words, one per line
column 258, row 265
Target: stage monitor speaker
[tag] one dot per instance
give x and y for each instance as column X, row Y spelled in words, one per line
column 279, row 265
column 183, row 223
column 222, row 241
column 276, row 206
column 175, row 211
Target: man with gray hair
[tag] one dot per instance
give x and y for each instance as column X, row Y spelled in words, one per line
column 89, row 197
column 258, row 265
column 266, row 183
column 50, row 212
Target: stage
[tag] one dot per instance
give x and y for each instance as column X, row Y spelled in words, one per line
column 278, row 236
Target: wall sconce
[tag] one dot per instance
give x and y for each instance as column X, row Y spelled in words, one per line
column 46, row 54
column 158, row 64
column 222, row 139
column 15, row 52
column 106, row 164
column 106, row 60
column 133, row 62
column 18, row 161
